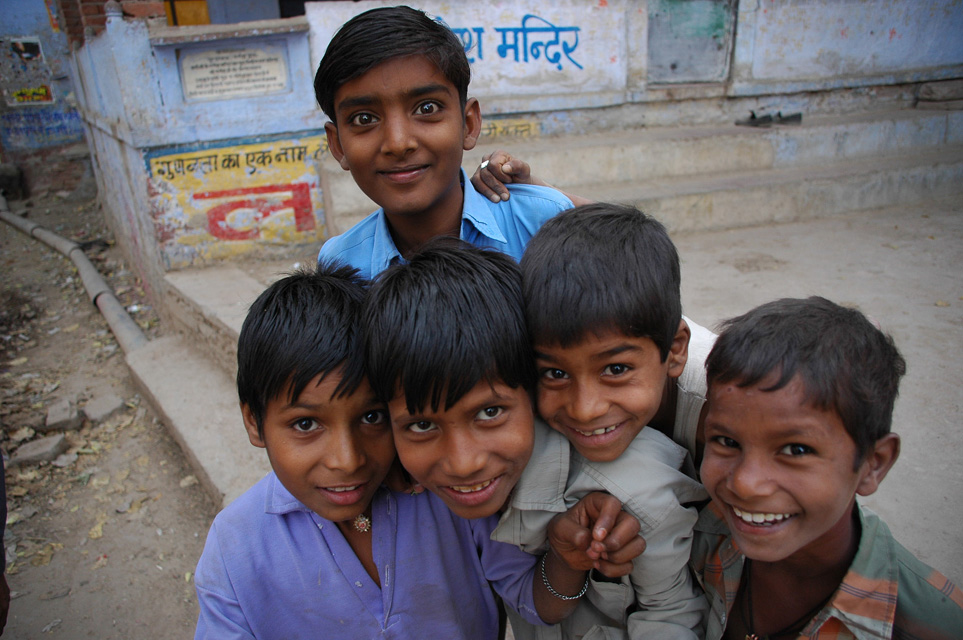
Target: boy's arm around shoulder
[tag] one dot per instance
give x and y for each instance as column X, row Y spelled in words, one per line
column 499, row 168
column 669, row 603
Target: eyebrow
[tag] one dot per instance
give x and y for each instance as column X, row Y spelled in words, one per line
column 370, row 400
column 604, row 355
column 416, row 92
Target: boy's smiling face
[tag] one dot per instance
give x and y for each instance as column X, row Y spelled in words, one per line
column 602, row 391
column 782, row 471
column 471, row 454
column 401, row 131
column 331, row 453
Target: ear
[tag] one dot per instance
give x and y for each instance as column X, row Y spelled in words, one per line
column 878, row 463
column 678, row 350
column 250, row 423
column 334, row 145
column 473, row 122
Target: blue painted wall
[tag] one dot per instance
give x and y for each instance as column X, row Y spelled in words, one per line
column 50, row 120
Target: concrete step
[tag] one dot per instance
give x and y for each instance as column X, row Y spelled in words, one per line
column 197, row 400
column 584, row 164
column 733, row 199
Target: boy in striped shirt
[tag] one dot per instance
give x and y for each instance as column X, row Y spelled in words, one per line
column 801, row 396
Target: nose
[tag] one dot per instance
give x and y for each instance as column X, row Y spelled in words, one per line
column 465, row 455
column 750, row 478
column 586, row 404
column 343, row 451
column 398, row 140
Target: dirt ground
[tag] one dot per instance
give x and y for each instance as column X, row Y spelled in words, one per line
column 102, row 542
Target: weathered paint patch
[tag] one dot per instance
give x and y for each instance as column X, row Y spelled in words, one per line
column 689, row 40
column 216, row 201
column 505, row 129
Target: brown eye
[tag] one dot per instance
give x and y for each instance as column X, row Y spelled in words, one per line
column 374, row 417
column 489, row 413
column 617, row 369
column 362, row 119
column 305, row 425
column 797, row 450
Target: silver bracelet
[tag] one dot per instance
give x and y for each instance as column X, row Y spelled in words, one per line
column 556, row 593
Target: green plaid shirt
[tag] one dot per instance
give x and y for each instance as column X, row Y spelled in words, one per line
column 887, row 593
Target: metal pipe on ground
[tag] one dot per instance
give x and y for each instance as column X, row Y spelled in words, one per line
column 128, row 334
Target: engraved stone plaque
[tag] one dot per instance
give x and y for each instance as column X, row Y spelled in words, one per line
column 230, row 73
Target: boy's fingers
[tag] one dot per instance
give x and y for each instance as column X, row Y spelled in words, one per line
column 628, row 552
column 518, row 170
column 626, row 528
column 487, row 185
column 613, row 569
column 606, row 509
column 495, row 184
column 565, row 533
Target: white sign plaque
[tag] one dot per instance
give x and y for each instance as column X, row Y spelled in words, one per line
column 230, row 73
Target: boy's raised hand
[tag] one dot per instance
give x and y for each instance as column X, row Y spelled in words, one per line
column 597, row 534
column 498, row 169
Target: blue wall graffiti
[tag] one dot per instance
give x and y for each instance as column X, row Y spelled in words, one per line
column 39, row 127
column 535, row 39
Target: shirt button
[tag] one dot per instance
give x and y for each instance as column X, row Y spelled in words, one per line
column 357, row 584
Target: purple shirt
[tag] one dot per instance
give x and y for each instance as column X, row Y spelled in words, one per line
column 272, row 568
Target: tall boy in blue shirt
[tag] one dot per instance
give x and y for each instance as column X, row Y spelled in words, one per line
column 394, row 84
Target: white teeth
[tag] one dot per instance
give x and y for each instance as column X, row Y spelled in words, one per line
column 471, row 488
column 599, row 432
column 760, row 518
column 343, row 489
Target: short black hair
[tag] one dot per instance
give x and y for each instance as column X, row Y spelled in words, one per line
column 378, row 35
column 305, row 324
column 845, row 363
column 443, row 322
column 602, row 267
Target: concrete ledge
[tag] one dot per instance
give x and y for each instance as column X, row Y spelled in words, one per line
column 198, row 402
column 212, row 304
column 740, row 199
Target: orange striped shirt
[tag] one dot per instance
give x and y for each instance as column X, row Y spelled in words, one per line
column 887, row 593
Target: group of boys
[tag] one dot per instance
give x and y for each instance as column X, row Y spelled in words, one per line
column 546, row 414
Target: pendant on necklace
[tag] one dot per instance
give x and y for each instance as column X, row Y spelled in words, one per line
column 362, row 524
column 751, row 636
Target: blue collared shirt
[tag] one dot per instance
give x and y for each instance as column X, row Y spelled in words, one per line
column 505, row 226
column 272, row 568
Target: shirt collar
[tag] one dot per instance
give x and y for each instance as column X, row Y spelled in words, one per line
column 542, row 485
column 384, row 252
column 865, row 601
column 279, row 500
column 476, row 213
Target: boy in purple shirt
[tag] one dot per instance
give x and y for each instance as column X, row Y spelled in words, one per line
column 319, row 548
